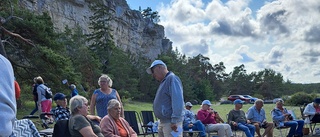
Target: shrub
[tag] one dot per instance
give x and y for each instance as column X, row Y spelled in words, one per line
column 299, row 98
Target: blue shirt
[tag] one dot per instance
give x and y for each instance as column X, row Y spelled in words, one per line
column 189, row 117
column 255, row 115
column 102, row 100
column 168, row 104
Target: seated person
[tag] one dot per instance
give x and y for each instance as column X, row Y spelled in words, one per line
column 237, row 118
column 257, row 117
column 313, row 111
column 113, row 125
column 79, row 124
column 61, row 112
column 281, row 116
column 207, row 117
column 190, row 121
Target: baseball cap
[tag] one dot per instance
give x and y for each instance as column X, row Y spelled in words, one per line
column 238, row 101
column 59, row 96
column 189, row 104
column 317, row 100
column 206, row 102
column 154, row 63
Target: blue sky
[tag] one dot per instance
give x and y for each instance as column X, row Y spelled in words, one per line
column 282, row 35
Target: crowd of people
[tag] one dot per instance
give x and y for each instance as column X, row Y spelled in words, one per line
column 173, row 117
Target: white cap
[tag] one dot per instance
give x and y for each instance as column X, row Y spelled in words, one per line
column 189, row 104
column 154, row 63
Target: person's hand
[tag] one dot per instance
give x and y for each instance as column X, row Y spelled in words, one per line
column 248, row 121
column 234, row 123
column 92, row 117
column 190, row 125
column 210, row 110
column 174, row 127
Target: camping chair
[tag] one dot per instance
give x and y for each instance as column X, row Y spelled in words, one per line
column 312, row 125
column 234, row 129
column 61, row 129
column 134, row 120
column 148, row 120
column 280, row 128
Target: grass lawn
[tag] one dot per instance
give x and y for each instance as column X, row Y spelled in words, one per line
column 138, row 106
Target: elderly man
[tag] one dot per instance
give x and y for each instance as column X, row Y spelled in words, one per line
column 257, row 117
column 237, row 118
column 313, row 110
column 168, row 99
column 190, row 121
column 282, row 117
column 208, row 117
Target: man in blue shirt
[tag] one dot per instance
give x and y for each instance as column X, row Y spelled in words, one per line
column 190, row 121
column 257, row 117
column 168, row 104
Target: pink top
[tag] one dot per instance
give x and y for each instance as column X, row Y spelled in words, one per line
column 317, row 109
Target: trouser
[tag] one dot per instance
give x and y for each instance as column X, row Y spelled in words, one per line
column 224, row 130
column 164, row 129
column 248, row 129
column 316, row 119
column 296, row 127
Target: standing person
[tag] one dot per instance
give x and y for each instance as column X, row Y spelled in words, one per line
column 237, row 118
column 257, row 117
column 7, row 98
column 168, row 103
column 207, row 116
column 35, row 96
column 17, row 89
column 282, row 117
column 313, row 111
column 74, row 90
column 102, row 96
column 43, row 103
column 190, row 121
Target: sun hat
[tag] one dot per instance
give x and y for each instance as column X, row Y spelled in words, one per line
column 154, row 63
column 238, row 101
column 206, row 102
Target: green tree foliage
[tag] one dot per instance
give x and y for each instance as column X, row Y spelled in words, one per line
column 149, row 14
column 239, row 82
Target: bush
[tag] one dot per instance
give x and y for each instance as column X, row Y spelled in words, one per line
column 299, row 98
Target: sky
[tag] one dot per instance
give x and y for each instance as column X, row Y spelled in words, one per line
column 282, row 35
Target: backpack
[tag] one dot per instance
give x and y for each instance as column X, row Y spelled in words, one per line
column 48, row 93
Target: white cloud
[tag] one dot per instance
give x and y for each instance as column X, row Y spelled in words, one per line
column 284, row 35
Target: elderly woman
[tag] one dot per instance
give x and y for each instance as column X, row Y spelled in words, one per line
column 112, row 125
column 102, row 96
column 281, row 116
column 79, row 124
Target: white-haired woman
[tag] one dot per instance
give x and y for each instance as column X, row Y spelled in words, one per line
column 102, row 96
column 79, row 124
column 112, row 125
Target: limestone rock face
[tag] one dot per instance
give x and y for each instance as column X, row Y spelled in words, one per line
column 131, row 32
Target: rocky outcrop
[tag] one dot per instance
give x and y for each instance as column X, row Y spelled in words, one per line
column 131, row 31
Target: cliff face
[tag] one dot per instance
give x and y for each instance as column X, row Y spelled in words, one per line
column 131, row 31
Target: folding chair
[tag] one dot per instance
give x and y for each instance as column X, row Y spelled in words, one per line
column 45, row 122
column 234, row 129
column 311, row 124
column 61, row 129
column 147, row 117
column 280, row 128
column 134, row 119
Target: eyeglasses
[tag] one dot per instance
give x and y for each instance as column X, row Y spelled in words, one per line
column 152, row 69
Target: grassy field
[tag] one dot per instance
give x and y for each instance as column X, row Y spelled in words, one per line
column 138, row 106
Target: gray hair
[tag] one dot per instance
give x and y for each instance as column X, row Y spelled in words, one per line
column 258, row 101
column 112, row 103
column 105, row 76
column 76, row 102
